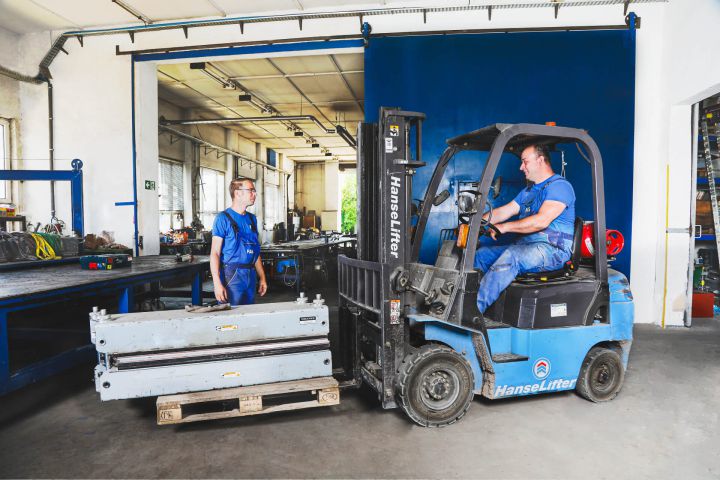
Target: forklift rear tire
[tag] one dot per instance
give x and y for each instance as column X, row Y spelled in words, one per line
column 601, row 375
column 435, row 386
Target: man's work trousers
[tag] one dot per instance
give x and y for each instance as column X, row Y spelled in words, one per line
column 502, row 263
column 240, row 282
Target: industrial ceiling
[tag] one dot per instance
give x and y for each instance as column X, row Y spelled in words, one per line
column 327, row 87
column 25, row 16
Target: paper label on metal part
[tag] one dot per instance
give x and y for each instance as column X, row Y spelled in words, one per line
column 394, row 130
column 388, row 145
column 226, row 328
column 558, row 310
column 394, row 312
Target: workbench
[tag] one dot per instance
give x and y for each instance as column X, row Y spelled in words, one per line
column 306, row 255
column 25, row 290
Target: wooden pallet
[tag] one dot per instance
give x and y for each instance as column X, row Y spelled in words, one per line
column 243, row 401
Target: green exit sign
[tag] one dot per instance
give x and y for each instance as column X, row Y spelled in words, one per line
column 149, row 185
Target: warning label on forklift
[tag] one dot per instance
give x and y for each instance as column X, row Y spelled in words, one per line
column 388, row 145
column 558, row 310
column 394, row 312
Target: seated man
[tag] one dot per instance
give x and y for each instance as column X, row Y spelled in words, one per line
column 546, row 224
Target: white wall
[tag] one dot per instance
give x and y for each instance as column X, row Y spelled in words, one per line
column 10, row 103
column 674, row 69
column 310, row 187
column 9, row 88
column 689, row 73
column 93, row 122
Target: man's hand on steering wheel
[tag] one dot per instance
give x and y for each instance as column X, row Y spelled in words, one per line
column 492, row 231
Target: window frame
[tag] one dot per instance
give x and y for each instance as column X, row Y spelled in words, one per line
column 172, row 212
column 5, row 157
column 202, row 213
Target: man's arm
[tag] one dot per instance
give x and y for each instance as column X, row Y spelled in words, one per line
column 500, row 214
column 549, row 211
column 262, row 283
column 215, row 250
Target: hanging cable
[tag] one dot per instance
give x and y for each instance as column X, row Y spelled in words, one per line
column 43, row 249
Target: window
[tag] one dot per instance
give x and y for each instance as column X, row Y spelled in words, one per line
column 4, row 157
column 273, row 214
column 212, row 195
column 171, row 195
column 271, row 157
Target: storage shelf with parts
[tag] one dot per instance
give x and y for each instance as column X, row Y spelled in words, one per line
column 707, row 216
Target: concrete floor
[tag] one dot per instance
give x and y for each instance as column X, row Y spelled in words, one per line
column 664, row 424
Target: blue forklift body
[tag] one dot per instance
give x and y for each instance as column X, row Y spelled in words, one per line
column 415, row 334
column 554, row 355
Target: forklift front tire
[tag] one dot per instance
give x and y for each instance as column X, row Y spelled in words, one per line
column 601, row 375
column 435, row 386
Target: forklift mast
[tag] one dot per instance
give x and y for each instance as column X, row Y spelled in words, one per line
column 388, row 154
column 385, row 169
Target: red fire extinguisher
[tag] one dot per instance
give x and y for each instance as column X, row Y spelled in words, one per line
column 613, row 239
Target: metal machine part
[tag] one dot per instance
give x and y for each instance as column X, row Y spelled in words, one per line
column 161, row 353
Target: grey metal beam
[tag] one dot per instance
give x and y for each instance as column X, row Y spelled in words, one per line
column 295, row 75
column 217, row 7
column 347, row 84
column 225, row 120
column 53, row 12
column 217, row 102
column 200, row 141
column 133, row 11
column 258, row 102
column 298, row 90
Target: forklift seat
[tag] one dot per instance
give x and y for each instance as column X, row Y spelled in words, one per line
column 570, row 266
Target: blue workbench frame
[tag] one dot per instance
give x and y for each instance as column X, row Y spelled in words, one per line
column 50, row 366
column 74, row 176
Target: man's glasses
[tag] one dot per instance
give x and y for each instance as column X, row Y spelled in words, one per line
column 248, row 190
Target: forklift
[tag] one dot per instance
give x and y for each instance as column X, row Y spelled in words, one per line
column 412, row 331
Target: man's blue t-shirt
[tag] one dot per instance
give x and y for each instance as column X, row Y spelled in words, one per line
column 243, row 248
column 554, row 188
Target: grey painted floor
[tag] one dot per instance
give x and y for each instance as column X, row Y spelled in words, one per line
column 664, row 424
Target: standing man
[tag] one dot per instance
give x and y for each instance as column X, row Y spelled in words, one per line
column 235, row 252
column 546, row 223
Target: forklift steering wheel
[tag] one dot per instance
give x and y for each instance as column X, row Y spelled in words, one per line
column 486, row 227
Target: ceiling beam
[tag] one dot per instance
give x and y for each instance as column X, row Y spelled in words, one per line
column 347, row 84
column 295, row 75
column 53, row 12
column 298, row 90
column 257, row 101
column 217, row 7
column 213, row 100
column 133, row 11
